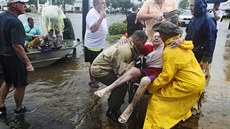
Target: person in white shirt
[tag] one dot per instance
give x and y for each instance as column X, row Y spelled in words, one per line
column 217, row 13
column 95, row 35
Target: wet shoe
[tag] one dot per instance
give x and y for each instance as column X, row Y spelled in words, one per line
column 93, row 84
column 24, row 110
column 103, row 93
column 125, row 116
column 113, row 115
column 2, row 111
column 195, row 111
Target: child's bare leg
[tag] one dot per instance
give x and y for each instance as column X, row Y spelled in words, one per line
column 145, row 81
column 130, row 74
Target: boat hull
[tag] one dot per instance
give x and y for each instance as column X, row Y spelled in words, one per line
column 42, row 59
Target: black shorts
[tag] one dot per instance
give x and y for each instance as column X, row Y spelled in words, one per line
column 91, row 55
column 14, row 71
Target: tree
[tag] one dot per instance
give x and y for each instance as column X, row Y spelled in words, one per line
column 54, row 2
column 127, row 4
column 124, row 4
column 35, row 2
column 59, row 2
column 184, row 4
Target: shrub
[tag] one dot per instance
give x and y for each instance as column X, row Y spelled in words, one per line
column 117, row 28
column 113, row 38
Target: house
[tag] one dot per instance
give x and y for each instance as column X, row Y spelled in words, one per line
column 3, row 5
column 225, row 7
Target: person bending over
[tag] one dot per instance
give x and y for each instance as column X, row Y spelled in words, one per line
column 149, row 73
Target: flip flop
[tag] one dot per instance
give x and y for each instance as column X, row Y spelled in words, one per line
column 102, row 93
column 124, row 117
column 93, row 85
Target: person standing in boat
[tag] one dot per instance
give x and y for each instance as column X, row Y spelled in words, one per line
column 96, row 31
column 53, row 20
column 14, row 61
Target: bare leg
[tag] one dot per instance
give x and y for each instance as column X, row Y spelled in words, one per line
column 18, row 97
column 51, row 38
column 58, row 41
column 4, row 89
column 130, row 74
column 57, row 33
column 145, row 81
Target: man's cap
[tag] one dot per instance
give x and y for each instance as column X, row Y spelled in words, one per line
column 13, row 1
column 30, row 19
column 167, row 27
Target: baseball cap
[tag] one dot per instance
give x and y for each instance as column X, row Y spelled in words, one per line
column 167, row 27
column 13, row 1
column 30, row 19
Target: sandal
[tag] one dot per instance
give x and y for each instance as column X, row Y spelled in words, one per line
column 124, row 117
column 102, row 93
column 93, row 84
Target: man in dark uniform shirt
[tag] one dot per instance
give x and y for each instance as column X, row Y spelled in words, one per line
column 14, row 61
column 132, row 23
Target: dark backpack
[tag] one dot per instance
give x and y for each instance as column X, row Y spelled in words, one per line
column 68, row 32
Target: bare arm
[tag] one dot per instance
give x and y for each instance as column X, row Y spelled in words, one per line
column 144, row 17
column 96, row 26
column 22, row 55
column 216, row 16
column 178, row 41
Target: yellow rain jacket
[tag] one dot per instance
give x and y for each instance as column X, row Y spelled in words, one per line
column 176, row 89
column 52, row 18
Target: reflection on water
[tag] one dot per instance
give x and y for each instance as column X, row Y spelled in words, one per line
column 17, row 122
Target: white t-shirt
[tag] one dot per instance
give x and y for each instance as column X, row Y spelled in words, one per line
column 96, row 39
column 220, row 14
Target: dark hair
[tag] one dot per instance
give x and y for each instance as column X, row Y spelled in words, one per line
column 30, row 19
column 139, row 34
column 217, row 3
column 134, row 8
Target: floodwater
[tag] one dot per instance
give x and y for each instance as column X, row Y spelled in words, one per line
column 65, row 101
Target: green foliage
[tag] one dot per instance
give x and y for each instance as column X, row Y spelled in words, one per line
column 113, row 38
column 184, row 4
column 117, row 28
column 35, row 2
column 59, row 2
column 54, row 2
column 124, row 4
